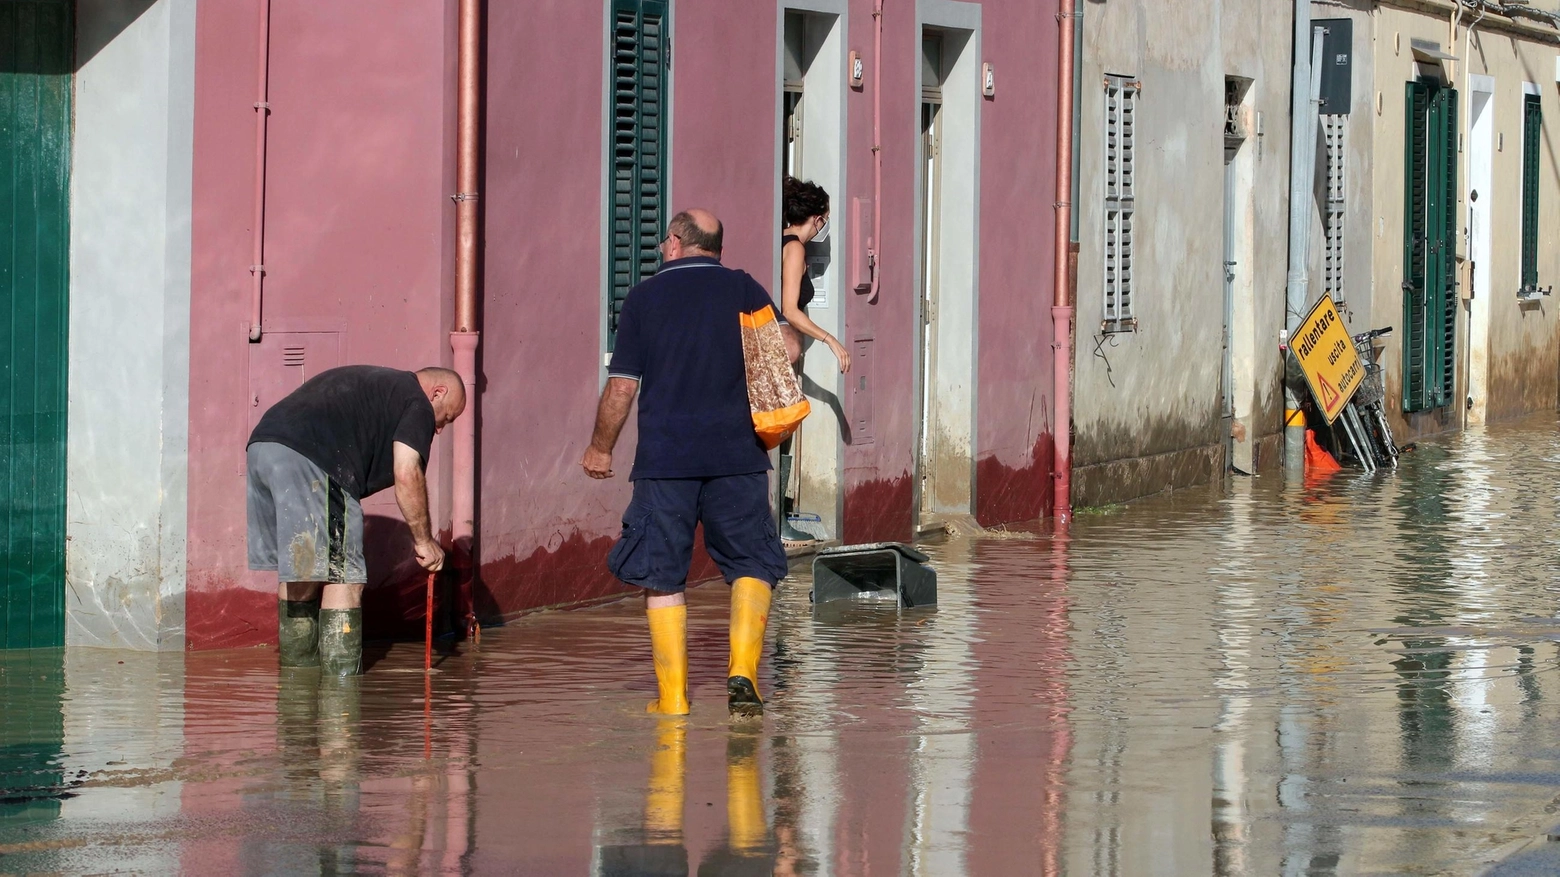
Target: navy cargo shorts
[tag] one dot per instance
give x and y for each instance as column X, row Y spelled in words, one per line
column 656, row 547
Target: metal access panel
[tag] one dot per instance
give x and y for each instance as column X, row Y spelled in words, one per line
column 282, row 361
column 35, row 112
column 1337, row 65
column 860, row 378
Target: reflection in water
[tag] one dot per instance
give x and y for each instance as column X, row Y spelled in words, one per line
column 32, row 734
column 1342, row 677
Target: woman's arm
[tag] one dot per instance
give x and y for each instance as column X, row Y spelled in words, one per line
column 793, row 263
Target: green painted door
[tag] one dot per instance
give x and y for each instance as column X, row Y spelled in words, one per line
column 1430, row 246
column 35, row 87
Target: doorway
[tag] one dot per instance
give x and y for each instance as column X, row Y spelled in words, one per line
column 811, row 147
column 1480, row 200
column 1240, row 364
column 1429, row 257
column 947, row 228
column 36, row 57
column 929, row 223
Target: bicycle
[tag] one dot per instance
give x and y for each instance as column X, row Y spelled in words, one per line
column 1368, row 416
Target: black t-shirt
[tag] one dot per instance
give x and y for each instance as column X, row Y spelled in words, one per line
column 805, row 297
column 347, row 420
column 680, row 336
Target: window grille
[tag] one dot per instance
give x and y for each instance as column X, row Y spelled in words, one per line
column 1121, row 94
column 641, row 58
column 1335, row 129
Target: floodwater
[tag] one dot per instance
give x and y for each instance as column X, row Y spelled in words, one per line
column 1357, row 676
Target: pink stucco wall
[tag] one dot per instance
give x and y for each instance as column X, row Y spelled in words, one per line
column 359, row 231
column 1018, row 165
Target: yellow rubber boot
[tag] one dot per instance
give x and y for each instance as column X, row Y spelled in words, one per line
column 669, row 646
column 749, row 615
column 664, row 798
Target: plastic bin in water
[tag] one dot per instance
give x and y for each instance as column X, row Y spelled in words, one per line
column 876, row 571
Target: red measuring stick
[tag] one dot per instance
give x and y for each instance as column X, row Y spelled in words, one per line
column 428, row 630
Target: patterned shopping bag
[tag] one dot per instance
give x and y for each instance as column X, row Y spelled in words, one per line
column 774, row 393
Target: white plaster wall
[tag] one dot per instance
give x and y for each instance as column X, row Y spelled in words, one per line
column 1154, row 392
column 129, row 323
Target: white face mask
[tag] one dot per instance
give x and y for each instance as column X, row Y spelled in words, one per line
column 823, row 232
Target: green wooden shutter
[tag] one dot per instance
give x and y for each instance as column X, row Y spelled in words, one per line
column 640, row 59
column 1443, row 230
column 1532, row 125
column 35, row 116
column 1415, row 197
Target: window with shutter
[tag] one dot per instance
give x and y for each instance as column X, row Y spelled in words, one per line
column 1121, row 94
column 641, row 57
column 1429, row 246
column 1532, row 125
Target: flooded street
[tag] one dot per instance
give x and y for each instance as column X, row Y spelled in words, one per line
column 1359, row 676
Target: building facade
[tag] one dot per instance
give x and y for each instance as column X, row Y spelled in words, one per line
column 249, row 198
column 1183, row 164
column 1448, row 229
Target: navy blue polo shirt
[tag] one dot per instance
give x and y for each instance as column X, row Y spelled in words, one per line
column 680, row 336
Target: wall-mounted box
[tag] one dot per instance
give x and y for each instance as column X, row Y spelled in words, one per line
column 1337, row 65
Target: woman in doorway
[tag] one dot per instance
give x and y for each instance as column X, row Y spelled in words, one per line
column 806, row 217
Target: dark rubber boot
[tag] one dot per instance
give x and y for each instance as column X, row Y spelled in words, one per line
column 788, row 533
column 298, row 632
column 742, row 698
column 341, row 642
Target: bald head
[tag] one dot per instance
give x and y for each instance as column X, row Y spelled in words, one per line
column 699, row 231
column 445, row 391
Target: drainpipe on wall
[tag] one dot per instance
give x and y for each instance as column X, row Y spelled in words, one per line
column 262, row 112
column 1062, row 309
column 874, row 243
column 1301, row 173
column 464, row 337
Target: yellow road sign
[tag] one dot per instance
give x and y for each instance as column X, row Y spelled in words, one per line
column 1326, row 354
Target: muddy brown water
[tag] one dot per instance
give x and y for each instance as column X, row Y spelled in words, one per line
column 1354, row 676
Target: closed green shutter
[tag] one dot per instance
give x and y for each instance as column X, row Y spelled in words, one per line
column 1429, row 246
column 1532, row 125
column 35, row 100
column 641, row 56
column 1415, row 161
column 1443, row 289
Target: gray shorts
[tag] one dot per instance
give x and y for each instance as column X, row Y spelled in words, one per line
column 302, row 524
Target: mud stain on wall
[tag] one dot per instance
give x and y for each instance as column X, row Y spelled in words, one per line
column 879, row 510
column 1122, row 480
column 1522, row 383
column 1007, row 494
column 223, row 614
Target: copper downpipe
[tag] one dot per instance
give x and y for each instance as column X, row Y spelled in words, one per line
column 875, row 241
column 1062, row 307
column 464, row 337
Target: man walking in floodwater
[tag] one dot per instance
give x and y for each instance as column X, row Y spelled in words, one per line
column 679, row 348
column 345, row 434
